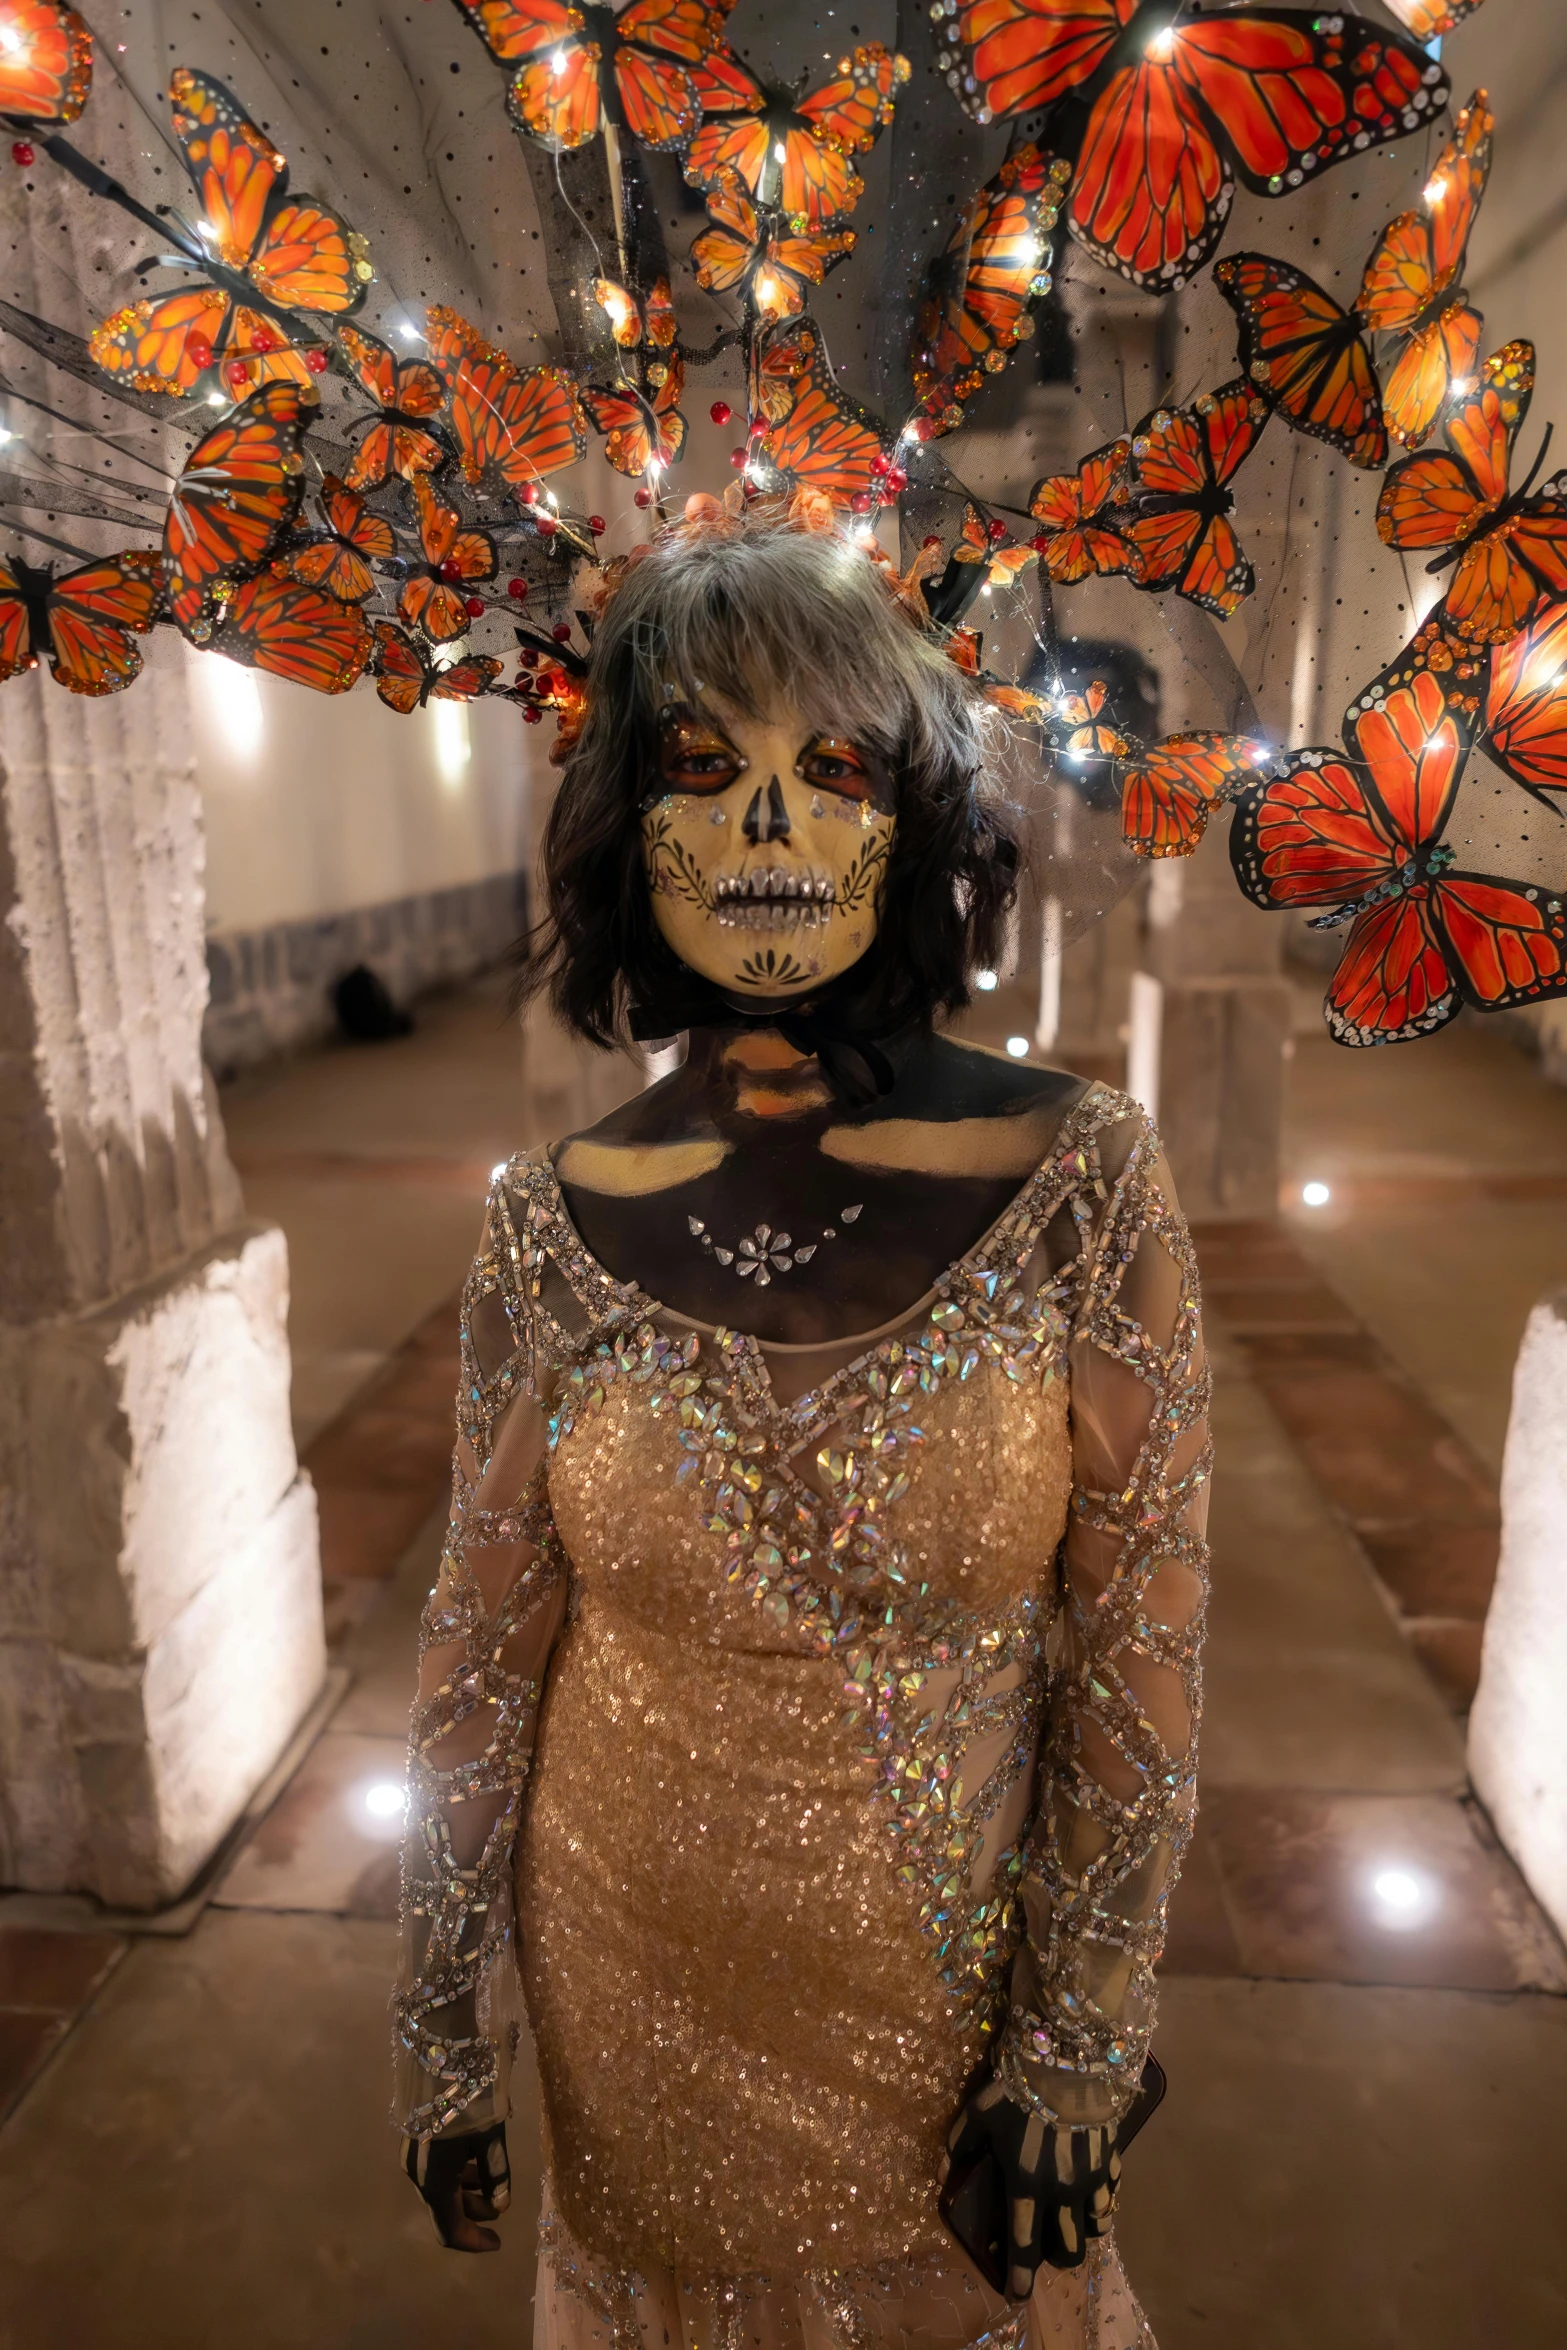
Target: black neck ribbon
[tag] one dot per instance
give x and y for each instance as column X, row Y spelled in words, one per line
column 824, row 1026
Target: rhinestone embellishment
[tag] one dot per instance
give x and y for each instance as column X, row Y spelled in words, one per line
column 765, row 1252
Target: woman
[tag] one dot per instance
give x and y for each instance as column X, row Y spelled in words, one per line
column 826, row 1560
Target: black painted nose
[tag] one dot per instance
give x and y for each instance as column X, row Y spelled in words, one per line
column 769, row 821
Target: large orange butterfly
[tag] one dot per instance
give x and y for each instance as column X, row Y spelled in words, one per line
column 1074, row 540
column 755, row 254
column 580, row 67
column 355, row 538
column 523, row 423
column 1507, row 547
column 240, row 490
column 633, row 322
column 83, row 623
column 295, row 253
column 791, row 153
column 406, row 678
column 1180, row 103
column 1411, row 289
column 1305, row 355
column 1526, row 704
column 1169, row 792
column 1179, row 516
column 1361, row 837
column 454, row 558
column 996, row 264
column 407, row 394
column 45, row 63
column 815, row 438
column 301, row 633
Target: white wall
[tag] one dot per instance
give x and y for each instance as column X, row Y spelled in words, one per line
column 320, row 804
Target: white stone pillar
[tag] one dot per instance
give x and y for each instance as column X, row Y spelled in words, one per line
column 1518, row 1728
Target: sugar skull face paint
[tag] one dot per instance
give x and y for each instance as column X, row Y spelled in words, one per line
column 766, row 846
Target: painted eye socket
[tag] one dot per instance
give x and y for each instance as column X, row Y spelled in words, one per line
column 692, row 759
column 839, row 766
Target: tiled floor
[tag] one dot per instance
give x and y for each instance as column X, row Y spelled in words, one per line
column 1362, row 2015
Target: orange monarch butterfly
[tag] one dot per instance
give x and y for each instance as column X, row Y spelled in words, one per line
column 82, row 623
column 1305, row 355
column 1526, row 704
column 996, row 264
column 355, row 538
column 633, row 322
column 1360, row 836
column 1177, row 105
column 815, row 438
column 1410, row 287
column 641, row 430
column 408, row 393
column 1169, row 792
column 579, row 68
column 297, row 632
column 297, row 253
column 1179, row 519
column 755, row 253
column 523, row 423
column 1074, row 540
column 1092, row 735
column 1509, row 548
column 980, row 542
column 406, row 678
column 795, row 153
column 45, row 63
column 454, row 558
column 239, row 492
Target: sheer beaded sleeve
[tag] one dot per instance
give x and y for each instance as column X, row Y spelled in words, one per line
column 1119, row 1755
column 487, row 1633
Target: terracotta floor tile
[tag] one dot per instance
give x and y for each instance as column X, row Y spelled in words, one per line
column 1435, row 1570
column 1287, row 1304
column 1375, row 1889
column 1377, row 1449
column 1201, row 1939
column 26, row 2039
column 1450, row 1653
column 54, row 1973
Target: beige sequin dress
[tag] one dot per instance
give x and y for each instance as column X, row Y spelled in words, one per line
column 809, row 1722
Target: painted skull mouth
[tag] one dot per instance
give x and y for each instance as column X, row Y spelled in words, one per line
column 768, row 898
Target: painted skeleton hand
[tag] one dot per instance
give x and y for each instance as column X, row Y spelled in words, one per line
column 464, row 2179
column 1058, row 2181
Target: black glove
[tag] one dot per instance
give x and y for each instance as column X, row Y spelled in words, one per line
column 1058, row 2182
column 463, row 2179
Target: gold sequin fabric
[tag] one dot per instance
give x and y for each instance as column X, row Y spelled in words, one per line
column 867, row 1748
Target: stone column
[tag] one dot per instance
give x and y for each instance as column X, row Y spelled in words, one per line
column 1518, row 1727
column 160, row 1610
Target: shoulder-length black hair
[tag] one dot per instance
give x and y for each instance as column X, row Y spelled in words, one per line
column 758, row 613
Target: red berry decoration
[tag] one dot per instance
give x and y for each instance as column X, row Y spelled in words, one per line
column 737, row 458
column 450, row 571
column 897, row 480
column 237, row 373
column 474, row 607
column 934, row 540
column 597, row 525
column 199, row 351
column 1040, row 542
column 642, row 498
column 317, row 361
column 880, row 465
column 720, row 412
column 995, row 532
column 861, row 502
column 548, row 526
column 517, row 588
column 529, row 493
column 530, row 716
column 561, row 632
column 22, row 153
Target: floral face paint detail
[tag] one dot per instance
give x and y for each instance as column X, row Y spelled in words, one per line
column 765, row 848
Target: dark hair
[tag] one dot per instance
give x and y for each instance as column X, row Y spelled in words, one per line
column 755, row 612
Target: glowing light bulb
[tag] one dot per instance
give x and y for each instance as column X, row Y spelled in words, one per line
column 10, row 41
column 1017, row 1046
column 385, row 1799
column 1315, row 1195
column 409, row 332
column 985, row 981
column 558, row 63
column 778, row 151
column 1161, row 47
column 1463, row 385
column 1436, row 189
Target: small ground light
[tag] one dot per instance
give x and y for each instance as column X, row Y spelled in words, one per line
column 985, row 981
column 385, row 1799
column 1017, row 1046
column 1402, row 1899
column 1315, row 1195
